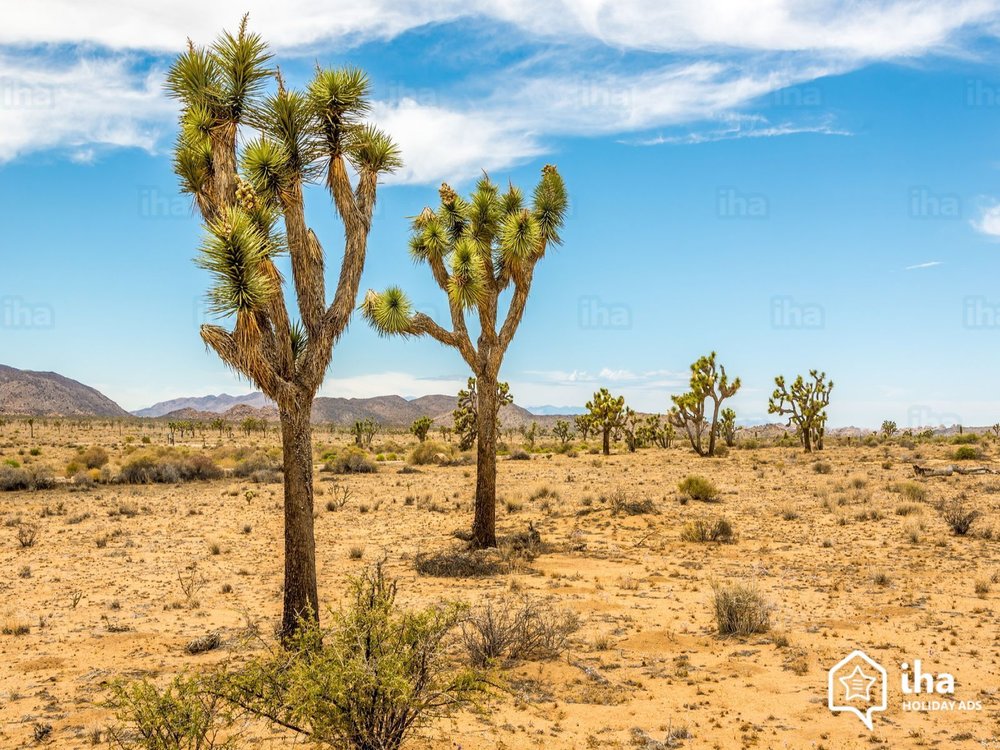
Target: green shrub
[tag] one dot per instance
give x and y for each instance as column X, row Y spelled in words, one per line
column 968, row 438
column 429, row 452
column 94, row 458
column 698, row 488
column 967, row 453
column 352, row 460
column 181, row 716
column 256, row 464
column 323, row 685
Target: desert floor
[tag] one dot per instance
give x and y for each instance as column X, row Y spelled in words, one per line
column 842, row 558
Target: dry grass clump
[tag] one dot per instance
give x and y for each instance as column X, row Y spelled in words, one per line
column 705, row 530
column 465, row 563
column 621, row 505
column 515, row 629
column 740, row 609
column 912, row 491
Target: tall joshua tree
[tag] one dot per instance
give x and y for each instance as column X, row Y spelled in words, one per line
column 477, row 249
column 249, row 191
column 805, row 405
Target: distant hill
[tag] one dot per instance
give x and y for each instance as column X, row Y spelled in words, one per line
column 556, row 411
column 208, row 404
column 47, row 394
column 391, row 411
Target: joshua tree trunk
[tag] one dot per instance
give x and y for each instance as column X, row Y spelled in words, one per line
column 715, row 428
column 484, row 525
column 301, row 598
column 607, row 441
column 807, row 439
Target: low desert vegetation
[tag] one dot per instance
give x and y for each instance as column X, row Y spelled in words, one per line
column 167, row 466
column 698, row 488
column 740, row 609
column 708, row 530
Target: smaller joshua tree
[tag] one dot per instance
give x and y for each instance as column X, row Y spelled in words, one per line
column 709, row 382
column 805, row 405
column 889, row 429
column 420, row 427
column 607, row 416
column 478, row 249
column 563, row 431
column 583, row 425
column 466, row 415
column 727, row 426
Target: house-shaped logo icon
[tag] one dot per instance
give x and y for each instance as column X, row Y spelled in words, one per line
column 857, row 684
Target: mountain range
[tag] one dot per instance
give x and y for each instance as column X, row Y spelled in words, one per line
column 48, row 394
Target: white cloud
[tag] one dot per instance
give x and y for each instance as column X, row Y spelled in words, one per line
column 989, row 221
column 388, row 383
column 890, row 28
column 928, row 264
column 711, row 59
column 79, row 104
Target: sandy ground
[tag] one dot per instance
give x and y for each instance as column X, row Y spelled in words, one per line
column 647, row 660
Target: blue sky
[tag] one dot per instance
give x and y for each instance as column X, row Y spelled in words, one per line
column 795, row 187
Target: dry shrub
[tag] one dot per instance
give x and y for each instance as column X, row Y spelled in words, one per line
column 430, row 452
column 31, row 478
column 705, row 530
column 168, row 466
column 740, row 609
column 620, row 504
column 515, row 629
column 959, row 516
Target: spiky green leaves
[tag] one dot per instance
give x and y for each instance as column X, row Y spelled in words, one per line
column 265, row 165
column 550, row 204
column 236, row 252
column 430, row 239
column 467, row 282
column 339, row 96
column 286, row 119
column 372, row 150
column 389, row 312
column 193, row 165
column 520, row 239
column 242, row 60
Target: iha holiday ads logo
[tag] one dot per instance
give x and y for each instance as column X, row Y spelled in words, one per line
column 859, row 685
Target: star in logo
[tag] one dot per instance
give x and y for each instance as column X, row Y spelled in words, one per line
column 857, row 685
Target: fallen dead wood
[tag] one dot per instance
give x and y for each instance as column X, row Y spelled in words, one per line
column 947, row 471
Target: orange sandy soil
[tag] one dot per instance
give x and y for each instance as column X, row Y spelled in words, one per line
column 646, row 660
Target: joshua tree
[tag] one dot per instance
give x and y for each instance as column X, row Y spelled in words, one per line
column 421, row 427
column 727, row 426
column 805, row 404
column 219, row 424
column 606, row 416
column 563, row 431
column 365, row 431
column 708, row 383
column 477, row 249
column 466, row 416
column 633, row 430
column 530, row 434
column 583, row 426
column 246, row 155
column 889, row 429
column 653, row 432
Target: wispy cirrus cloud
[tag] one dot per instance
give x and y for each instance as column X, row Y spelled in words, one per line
column 928, row 264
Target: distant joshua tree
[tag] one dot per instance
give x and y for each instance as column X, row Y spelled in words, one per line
column 889, row 429
column 709, row 382
column 805, row 405
column 246, row 157
column 466, row 414
column 727, row 426
column 365, row 431
column 563, row 431
column 421, row 427
column 583, row 425
column 607, row 414
column 477, row 249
